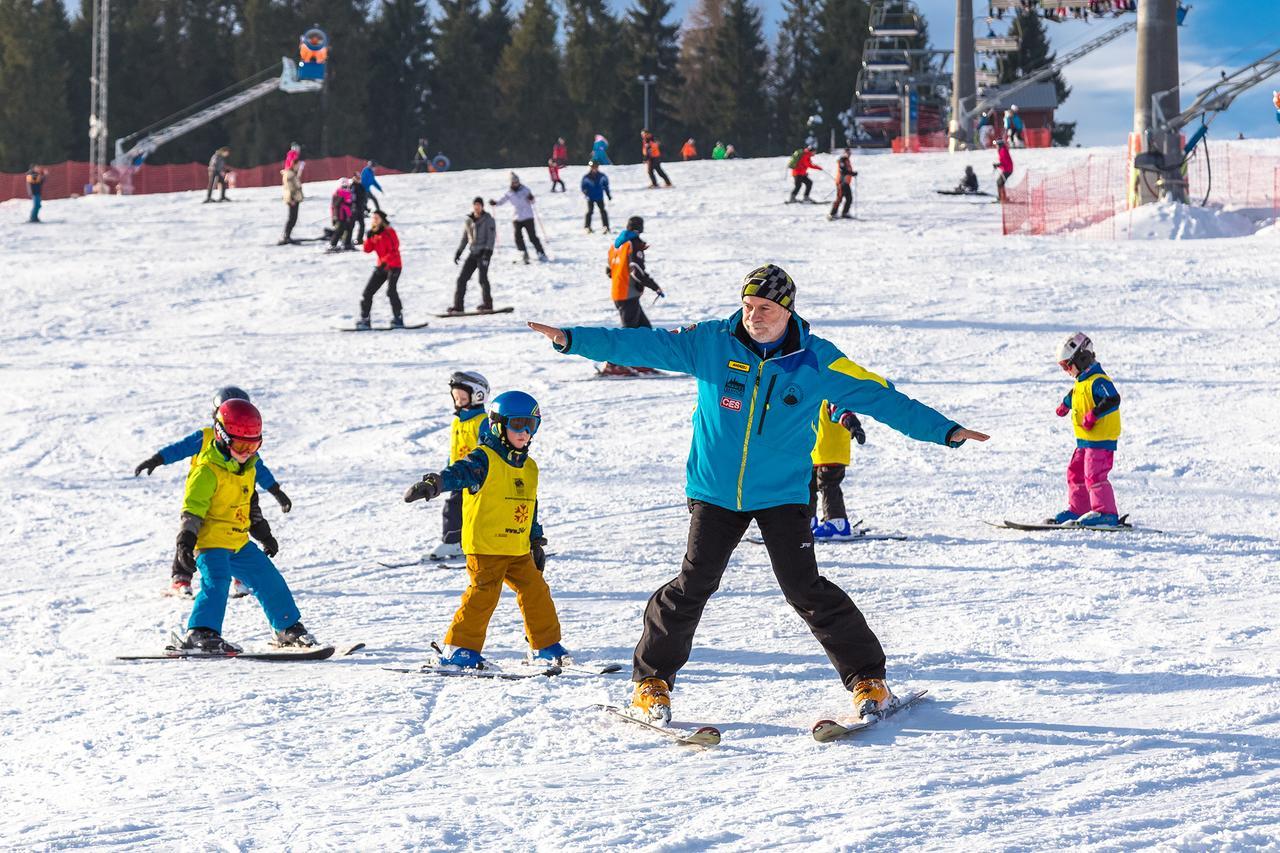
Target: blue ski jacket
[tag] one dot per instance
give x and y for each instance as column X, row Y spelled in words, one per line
column 756, row 418
column 596, row 189
column 368, row 179
column 600, row 152
column 194, row 443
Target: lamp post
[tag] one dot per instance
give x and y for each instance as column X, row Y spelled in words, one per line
column 647, row 80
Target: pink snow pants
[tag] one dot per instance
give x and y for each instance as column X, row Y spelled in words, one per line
column 1087, row 486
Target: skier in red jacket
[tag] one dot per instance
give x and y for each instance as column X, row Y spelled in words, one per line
column 801, row 164
column 383, row 240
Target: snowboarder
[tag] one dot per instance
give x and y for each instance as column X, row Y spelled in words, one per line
column 689, row 151
column 342, row 213
column 600, row 151
column 1094, row 406
column 218, row 173
column 480, row 233
column 370, row 182
column 800, row 163
column 1003, row 164
column 651, row 152
column 595, row 187
column 629, row 279
column 844, row 185
column 1013, row 128
column 969, row 183
column 292, row 197
column 521, row 198
column 470, row 392
column 760, row 373
column 293, row 157
column 383, row 240
column 191, row 447
column 359, row 205
column 217, row 517
column 501, row 535
column 836, row 430
column 35, row 189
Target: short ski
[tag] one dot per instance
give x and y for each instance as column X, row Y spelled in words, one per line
column 657, row 374
column 384, row 328
column 584, row 668
column 506, row 310
column 1070, row 525
column 459, row 672
column 825, row 731
column 278, row 655
column 425, row 561
column 704, row 737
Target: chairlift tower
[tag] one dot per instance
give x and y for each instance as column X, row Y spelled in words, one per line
column 98, row 67
column 1156, row 92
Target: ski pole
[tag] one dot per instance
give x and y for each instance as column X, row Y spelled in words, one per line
column 538, row 217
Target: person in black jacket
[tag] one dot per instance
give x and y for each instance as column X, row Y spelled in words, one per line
column 360, row 197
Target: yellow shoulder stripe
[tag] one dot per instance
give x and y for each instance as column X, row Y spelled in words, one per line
column 857, row 371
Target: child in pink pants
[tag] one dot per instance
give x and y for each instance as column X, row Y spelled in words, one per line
column 1094, row 406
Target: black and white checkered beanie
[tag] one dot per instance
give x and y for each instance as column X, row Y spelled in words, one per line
column 771, row 282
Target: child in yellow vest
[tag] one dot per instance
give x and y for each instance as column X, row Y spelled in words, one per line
column 831, row 455
column 470, row 392
column 1094, row 406
column 500, row 534
column 217, row 517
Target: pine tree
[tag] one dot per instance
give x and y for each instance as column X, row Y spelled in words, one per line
column 260, row 131
column 694, row 102
column 460, row 81
column 738, row 78
column 1033, row 53
column 533, row 105
column 592, row 69
column 794, row 80
column 842, row 29
column 399, row 81
column 34, row 122
column 344, row 102
column 650, row 47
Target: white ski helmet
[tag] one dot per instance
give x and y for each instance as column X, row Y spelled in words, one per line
column 1076, row 350
column 1013, row 108
column 473, row 383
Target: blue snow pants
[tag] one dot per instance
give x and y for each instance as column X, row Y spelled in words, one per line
column 218, row 565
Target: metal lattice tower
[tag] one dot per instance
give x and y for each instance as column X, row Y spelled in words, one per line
column 98, row 148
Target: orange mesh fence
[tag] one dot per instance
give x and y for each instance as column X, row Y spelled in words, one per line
column 72, row 178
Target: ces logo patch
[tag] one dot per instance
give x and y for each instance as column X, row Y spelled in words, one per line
column 730, row 403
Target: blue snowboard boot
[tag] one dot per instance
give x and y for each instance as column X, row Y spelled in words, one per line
column 834, row 530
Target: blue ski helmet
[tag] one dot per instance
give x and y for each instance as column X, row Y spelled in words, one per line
column 516, row 411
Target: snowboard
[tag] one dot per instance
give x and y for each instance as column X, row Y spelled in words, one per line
column 384, row 328
column 1070, row 525
column 702, row 738
column 961, row 192
column 825, row 731
column 507, row 310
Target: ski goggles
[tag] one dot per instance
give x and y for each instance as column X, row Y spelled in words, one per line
column 523, row 423
column 244, row 446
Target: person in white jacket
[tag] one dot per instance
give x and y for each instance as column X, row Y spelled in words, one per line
column 521, row 198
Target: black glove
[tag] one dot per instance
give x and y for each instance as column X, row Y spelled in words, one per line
column 281, row 498
column 185, row 558
column 539, row 555
column 457, row 258
column 149, row 465
column 261, row 531
column 425, row 489
column 850, row 422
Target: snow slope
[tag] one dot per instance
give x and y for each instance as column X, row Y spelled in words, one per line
column 1097, row 691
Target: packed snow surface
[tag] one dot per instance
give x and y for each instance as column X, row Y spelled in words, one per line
column 1087, row 690
column 1171, row 220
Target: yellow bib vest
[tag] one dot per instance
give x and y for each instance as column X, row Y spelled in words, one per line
column 834, row 441
column 497, row 519
column 221, row 497
column 1108, row 426
column 464, row 437
column 205, row 440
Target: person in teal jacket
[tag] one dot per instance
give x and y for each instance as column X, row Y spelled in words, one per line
column 761, row 374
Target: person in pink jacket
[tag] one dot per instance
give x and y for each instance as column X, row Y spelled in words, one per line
column 1004, row 164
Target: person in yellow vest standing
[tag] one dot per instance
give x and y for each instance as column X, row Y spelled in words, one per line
column 1094, row 406
column 501, row 535
column 214, row 537
column 628, row 280
column 191, row 447
column 836, row 431
column 470, row 392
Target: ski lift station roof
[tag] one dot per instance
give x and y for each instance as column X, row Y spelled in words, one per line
column 1037, row 96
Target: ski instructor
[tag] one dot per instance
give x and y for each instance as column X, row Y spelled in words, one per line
column 760, row 376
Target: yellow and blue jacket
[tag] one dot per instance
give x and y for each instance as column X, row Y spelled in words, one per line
column 218, row 499
column 499, row 497
column 1095, row 392
column 464, row 437
column 198, row 442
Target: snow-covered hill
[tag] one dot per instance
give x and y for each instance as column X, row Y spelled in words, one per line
column 1102, row 691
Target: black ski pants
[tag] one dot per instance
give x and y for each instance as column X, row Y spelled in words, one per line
column 475, row 261
column 673, row 612
column 592, row 204
column 452, row 518
column 526, row 225
column 843, row 193
column 381, row 274
column 655, row 169
column 359, row 226
column 632, row 314
column 343, row 233
column 801, row 181
column 217, row 180
column 291, row 221
column 826, row 500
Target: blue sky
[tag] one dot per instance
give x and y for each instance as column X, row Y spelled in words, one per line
column 1219, row 34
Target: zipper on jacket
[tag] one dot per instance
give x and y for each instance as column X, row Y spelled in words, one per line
column 746, row 439
column 764, row 410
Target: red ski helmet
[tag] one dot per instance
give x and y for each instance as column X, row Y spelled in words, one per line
column 238, row 425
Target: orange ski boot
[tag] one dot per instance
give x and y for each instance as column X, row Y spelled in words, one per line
column 872, row 697
column 651, row 701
